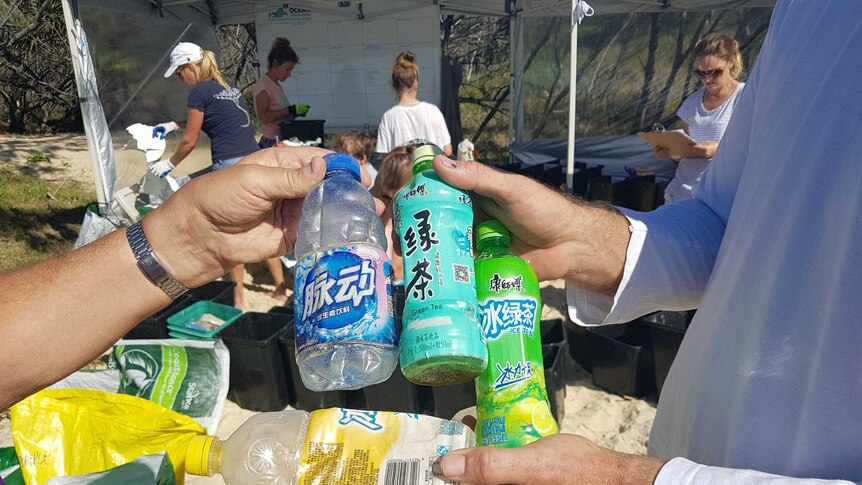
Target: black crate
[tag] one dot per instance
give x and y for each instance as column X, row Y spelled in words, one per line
column 302, row 397
column 555, row 379
column 583, row 176
column 258, row 379
column 400, row 395
column 601, row 188
column 155, row 326
column 666, row 330
column 578, row 343
column 552, row 332
column 622, row 359
column 216, row 291
column 304, row 130
column 448, row 400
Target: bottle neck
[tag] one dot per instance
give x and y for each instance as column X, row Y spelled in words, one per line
column 341, row 172
column 215, row 457
column 497, row 246
column 423, row 166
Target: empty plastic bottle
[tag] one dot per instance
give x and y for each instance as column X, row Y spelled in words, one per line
column 329, row 447
column 442, row 341
column 345, row 326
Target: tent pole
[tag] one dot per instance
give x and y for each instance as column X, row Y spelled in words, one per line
column 573, row 81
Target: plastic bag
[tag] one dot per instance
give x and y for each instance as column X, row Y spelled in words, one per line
column 10, row 472
column 62, row 432
column 147, row 470
column 189, row 376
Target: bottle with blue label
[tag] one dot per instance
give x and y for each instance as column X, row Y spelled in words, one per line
column 511, row 400
column 442, row 340
column 345, row 325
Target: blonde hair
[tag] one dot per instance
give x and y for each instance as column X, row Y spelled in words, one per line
column 405, row 72
column 356, row 143
column 208, row 68
column 395, row 171
column 722, row 46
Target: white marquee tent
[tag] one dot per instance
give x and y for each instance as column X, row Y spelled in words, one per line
column 200, row 15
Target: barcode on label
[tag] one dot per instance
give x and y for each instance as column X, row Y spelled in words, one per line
column 402, row 472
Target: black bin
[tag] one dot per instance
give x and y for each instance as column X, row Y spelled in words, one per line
column 302, row 397
column 155, row 326
column 304, row 130
column 622, row 359
column 578, row 343
column 448, row 400
column 552, row 332
column 666, row 332
column 555, row 379
column 399, row 395
column 216, row 291
column 258, row 379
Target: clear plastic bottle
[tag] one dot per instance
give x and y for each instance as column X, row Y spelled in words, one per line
column 345, row 326
column 328, row 447
column 442, row 341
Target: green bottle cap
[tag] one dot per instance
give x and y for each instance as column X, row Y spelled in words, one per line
column 423, row 155
column 491, row 229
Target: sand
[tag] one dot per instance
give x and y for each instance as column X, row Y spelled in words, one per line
column 620, row 423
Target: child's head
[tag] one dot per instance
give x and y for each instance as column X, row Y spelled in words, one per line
column 359, row 144
column 395, row 172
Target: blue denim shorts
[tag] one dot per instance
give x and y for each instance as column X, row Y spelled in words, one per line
column 227, row 162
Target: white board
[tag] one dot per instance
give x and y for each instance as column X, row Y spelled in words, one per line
column 345, row 64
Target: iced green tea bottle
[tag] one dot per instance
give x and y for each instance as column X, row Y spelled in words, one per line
column 511, row 401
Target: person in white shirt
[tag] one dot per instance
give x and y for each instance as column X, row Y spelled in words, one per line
column 410, row 118
column 705, row 114
column 767, row 382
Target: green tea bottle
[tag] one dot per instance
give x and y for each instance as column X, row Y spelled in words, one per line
column 511, row 401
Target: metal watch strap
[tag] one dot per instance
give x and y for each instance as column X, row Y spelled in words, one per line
column 150, row 265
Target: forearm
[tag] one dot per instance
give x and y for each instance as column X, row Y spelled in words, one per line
column 185, row 148
column 596, row 250
column 72, row 308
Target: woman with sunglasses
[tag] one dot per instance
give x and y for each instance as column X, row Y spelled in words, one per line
column 717, row 63
column 217, row 108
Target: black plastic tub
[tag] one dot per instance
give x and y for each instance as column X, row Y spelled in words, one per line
column 398, row 394
column 555, row 379
column 667, row 330
column 578, row 343
column 448, row 400
column 216, row 291
column 155, row 326
column 302, row 397
column 622, row 359
column 258, row 379
column 552, row 332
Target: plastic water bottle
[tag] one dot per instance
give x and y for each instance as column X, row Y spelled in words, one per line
column 329, row 447
column 345, row 326
column 511, row 400
column 442, row 341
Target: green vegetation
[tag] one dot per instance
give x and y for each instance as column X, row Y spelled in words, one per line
column 37, row 157
column 38, row 218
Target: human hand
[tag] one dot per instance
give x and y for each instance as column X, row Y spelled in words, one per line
column 161, row 168
column 299, row 109
column 662, row 153
column 163, row 129
column 556, row 459
column 560, row 237
column 245, row 213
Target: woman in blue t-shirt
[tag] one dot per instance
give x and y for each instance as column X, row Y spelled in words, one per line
column 217, row 108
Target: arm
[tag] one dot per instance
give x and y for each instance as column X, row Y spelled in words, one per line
column 264, row 113
column 192, row 127
column 242, row 214
column 447, row 149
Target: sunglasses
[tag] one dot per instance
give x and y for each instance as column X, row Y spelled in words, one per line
column 710, row 74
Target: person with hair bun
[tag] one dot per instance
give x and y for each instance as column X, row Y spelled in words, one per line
column 718, row 64
column 410, row 119
column 270, row 103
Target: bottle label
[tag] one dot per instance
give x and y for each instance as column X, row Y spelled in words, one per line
column 435, row 225
column 345, row 293
column 376, row 447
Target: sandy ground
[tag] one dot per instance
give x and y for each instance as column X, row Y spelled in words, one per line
column 621, row 423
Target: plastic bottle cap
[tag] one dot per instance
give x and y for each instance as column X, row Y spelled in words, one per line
column 423, row 152
column 342, row 161
column 491, row 229
column 198, row 455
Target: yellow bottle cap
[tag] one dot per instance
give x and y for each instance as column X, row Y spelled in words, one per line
column 198, row 455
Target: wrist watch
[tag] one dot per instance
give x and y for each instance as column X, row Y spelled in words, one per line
column 150, row 265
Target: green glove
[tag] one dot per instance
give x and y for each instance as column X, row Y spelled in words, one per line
column 299, row 109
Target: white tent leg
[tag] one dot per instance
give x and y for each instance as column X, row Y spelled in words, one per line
column 573, row 91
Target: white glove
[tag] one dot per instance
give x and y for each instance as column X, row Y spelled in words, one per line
column 162, row 168
column 163, row 129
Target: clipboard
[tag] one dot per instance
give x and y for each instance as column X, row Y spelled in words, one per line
column 677, row 141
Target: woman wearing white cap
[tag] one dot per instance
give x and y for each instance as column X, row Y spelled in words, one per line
column 218, row 109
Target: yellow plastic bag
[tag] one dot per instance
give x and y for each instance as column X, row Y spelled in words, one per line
column 76, row 431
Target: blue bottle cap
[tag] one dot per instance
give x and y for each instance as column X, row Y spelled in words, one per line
column 342, row 161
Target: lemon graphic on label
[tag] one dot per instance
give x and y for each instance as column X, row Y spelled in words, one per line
column 543, row 421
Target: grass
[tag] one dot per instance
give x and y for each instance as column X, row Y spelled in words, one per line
column 33, row 225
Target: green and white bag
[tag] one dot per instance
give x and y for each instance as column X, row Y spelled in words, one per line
column 190, row 377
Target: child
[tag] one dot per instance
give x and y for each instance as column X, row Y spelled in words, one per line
column 395, row 173
column 360, row 145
